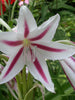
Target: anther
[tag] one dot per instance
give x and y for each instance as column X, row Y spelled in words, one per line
column 34, row 53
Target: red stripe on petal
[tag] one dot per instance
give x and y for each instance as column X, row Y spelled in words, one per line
column 41, row 35
column 38, row 66
column 12, row 43
column 26, row 32
column 68, row 77
column 48, row 48
column 14, row 61
column 32, row 55
column 69, row 66
column 39, row 69
column 73, row 59
column 72, row 42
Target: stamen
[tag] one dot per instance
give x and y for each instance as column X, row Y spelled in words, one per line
column 34, row 56
column 26, row 43
column 27, row 50
column 33, row 53
column 26, row 55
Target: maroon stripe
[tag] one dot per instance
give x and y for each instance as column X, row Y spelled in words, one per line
column 14, row 61
column 11, row 86
column 72, row 42
column 67, row 76
column 39, row 69
column 41, row 35
column 12, row 43
column 72, row 58
column 48, row 48
column 26, row 30
column 38, row 66
column 1, row 68
column 69, row 66
column 31, row 53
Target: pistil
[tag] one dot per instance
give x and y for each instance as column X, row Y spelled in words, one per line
column 26, row 43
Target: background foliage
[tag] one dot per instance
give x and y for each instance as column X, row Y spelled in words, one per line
column 42, row 10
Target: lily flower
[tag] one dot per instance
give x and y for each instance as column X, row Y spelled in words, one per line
column 23, row 1
column 30, row 45
column 68, row 66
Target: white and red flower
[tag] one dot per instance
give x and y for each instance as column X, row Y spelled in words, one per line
column 30, row 45
column 68, row 66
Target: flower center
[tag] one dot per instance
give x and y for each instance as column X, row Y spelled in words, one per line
column 26, row 43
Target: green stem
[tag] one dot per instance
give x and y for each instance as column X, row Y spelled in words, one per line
column 2, row 22
column 33, row 5
column 29, row 81
column 1, row 11
column 56, row 4
column 24, row 81
column 11, row 91
column 19, row 87
column 4, row 57
column 9, row 11
column 12, row 13
column 25, row 98
column 2, row 15
column 25, row 84
column 31, row 90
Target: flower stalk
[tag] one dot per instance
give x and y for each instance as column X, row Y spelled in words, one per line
column 11, row 91
column 19, row 87
column 24, row 84
column 4, row 57
column 12, row 13
column 24, row 77
column 3, row 23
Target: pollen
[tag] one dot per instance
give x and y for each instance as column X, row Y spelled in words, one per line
column 26, row 43
column 22, row 0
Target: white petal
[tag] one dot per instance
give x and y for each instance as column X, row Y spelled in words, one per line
column 53, row 21
column 47, row 30
column 37, row 73
column 17, row 67
column 63, row 51
column 70, row 62
column 69, row 73
column 10, row 36
column 25, row 15
column 14, row 29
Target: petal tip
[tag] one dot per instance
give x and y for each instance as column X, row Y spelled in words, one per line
column 57, row 16
column 52, row 90
column 23, row 8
